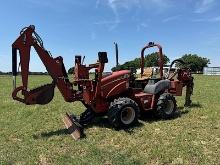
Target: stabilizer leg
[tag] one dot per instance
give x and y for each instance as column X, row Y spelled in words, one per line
column 189, row 92
column 73, row 126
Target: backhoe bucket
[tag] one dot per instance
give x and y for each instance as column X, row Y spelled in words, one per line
column 41, row 95
column 73, row 126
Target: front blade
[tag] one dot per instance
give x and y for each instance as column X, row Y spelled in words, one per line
column 74, row 128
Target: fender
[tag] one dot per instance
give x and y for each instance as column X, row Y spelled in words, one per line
column 121, row 87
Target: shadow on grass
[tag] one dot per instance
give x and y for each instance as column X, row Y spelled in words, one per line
column 185, row 110
column 99, row 122
column 104, row 123
column 151, row 117
column 193, row 105
column 51, row 133
column 148, row 116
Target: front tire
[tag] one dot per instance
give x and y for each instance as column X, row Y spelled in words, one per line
column 166, row 106
column 123, row 112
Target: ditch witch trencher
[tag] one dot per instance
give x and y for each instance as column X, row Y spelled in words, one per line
column 120, row 95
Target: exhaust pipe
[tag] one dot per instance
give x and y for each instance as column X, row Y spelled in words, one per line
column 116, row 54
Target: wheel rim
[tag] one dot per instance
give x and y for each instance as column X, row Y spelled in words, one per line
column 169, row 107
column 127, row 115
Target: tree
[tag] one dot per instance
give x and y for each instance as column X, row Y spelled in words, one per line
column 70, row 71
column 153, row 58
column 129, row 64
column 195, row 62
column 150, row 60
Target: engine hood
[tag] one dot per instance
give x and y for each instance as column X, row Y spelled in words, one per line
column 122, row 74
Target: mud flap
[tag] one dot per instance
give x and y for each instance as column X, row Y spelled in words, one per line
column 73, row 126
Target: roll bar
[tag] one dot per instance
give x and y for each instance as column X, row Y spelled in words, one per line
column 160, row 54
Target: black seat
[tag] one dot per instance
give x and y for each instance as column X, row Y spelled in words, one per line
column 157, row 87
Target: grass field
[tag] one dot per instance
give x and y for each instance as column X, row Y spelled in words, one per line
column 36, row 134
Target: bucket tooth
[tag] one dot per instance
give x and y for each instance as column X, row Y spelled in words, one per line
column 73, row 126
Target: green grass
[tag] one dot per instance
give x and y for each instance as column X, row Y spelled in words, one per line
column 36, row 134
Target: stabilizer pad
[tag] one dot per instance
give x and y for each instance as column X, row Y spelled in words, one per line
column 73, row 126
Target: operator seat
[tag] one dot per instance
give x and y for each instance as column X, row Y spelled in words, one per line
column 148, row 72
column 155, row 88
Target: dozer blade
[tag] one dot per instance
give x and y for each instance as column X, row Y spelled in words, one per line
column 73, row 126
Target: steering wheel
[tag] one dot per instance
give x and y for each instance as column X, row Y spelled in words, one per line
column 168, row 75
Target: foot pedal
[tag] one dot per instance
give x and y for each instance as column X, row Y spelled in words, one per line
column 73, row 126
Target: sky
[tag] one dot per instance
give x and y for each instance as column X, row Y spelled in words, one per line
column 85, row 27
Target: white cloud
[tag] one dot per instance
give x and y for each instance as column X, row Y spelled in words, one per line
column 199, row 20
column 97, row 3
column 213, row 19
column 142, row 25
column 203, row 6
column 105, row 22
column 162, row 3
column 128, row 4
column 119, row 7
column 175, row 17
column 112, row 23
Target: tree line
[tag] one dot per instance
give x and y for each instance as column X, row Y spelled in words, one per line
column 30, row 73
column 192, row 61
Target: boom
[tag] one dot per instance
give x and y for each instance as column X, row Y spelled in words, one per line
column 29, row 38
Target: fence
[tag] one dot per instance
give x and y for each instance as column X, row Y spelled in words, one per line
column 211, row 70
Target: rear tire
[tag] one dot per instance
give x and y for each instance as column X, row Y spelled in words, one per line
column 123, row 113
column 166, row 106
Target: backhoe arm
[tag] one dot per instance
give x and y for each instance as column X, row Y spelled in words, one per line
column 42, row 95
